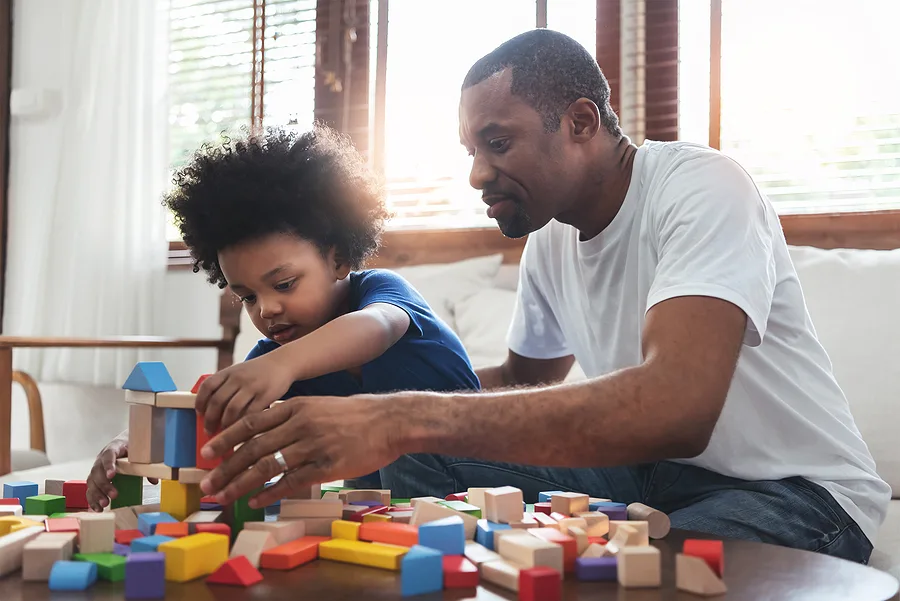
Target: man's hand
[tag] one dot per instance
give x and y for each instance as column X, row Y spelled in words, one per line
column 321, row 438
column 99, row 486
column 241, row 389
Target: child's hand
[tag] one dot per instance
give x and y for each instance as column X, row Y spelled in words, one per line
column 242, row 388
column 99, row 486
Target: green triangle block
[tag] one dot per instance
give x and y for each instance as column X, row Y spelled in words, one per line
column 110, row 567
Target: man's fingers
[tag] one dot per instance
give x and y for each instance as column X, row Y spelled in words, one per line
column 244, row 430
column 246, row 481
column 305, row 476
column 215, row 406
column 236, row 407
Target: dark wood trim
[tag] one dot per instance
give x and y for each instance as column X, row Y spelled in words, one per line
column 715, row 74
column 5, row 88
column 876, row 230
column 661, row 70
column 609, row 48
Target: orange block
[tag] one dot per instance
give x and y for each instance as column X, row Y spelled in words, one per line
column 568, row 543
column 391, row 533
column 173, row 529
column 290, row 555
column 597, row 539
column 214, row 528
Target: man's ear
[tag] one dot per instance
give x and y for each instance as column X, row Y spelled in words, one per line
column 340, row 265
column 583, row 119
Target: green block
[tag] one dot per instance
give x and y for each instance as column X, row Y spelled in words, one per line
column 56, row 515
column 397, row 501
column 130, row 489
column 529, row 507
column 241, row 513
column 44, row 504
column 463, row 507
column 110, row 566
column 332, row 488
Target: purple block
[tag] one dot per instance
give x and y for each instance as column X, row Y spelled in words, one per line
column 367, row 503
column 210, row 507
column 615, row 511
column 145, row 576
column 596, row 568
column 123, row 550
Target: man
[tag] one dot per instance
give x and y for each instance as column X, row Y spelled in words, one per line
column 665, row 272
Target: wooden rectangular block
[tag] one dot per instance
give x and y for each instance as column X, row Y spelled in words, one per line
column 146, row 434
column 577, row 522
column 194, row 556
column 475, row 496
column 11, row 510
column 639, row 567
column 149, row 470
column 345, row 529
column 126, row 519
column 430, row 512
column 641, row 536
column 581, row 539
column 140, row 397
column 204, row 517
column 172, row 529
column 530, row 551
column 251, row 544
column 416, row 500
column 401, row 517
column 479, row 554
column 176, row 400
column 313, row 526
column 179, row 500
column 693, row 575
column 402, row 535
column 282, row 532
column 597, row 522
column 42, row 551
column 97, row 532
column 290, row 555
column 192, row 475
column 545, row 521
column 569, row 545
column 375, row 555
column 12, row 548
column 53, row 487
column 379, row 495
column 503, row 505
column 569, row 503
column 377, row 517
column 501, row 573
column 181, row 438
column 311, row 508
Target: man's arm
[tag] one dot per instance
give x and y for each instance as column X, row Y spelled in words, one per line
column 664, row 408
column 523, row 371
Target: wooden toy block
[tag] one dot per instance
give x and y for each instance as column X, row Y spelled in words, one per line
column 124, row 537
column 503, row 505
column 20, row 491
column 194, row 556
column 413, row 502
column 475, row 496
column 402, row 535
column 22, row 523
column 425, row 512
column 639, row 567
column 375, row 555
column 216, row 528
column 597, row 568
column 459, row 572
column 179, row 500
column 569, row 503
column 72, row 575
column 239, row 513
column 311, row 508
column 544, row 508
column 41, row 552
column 457, row 496
column 110, row 567
column 145, row 508
column 597, row 522
column 570, row 547
column 196, row 388
column 377, row 517
column 581, row 539
column 479, row 554
column 251, row 544
column 693, row 575
column 146, row 434
column 314, row 526
column 204, row 517
column 615, row 511
column 123, row 550
column 237, row 571
column 146, row 470
column 192, row 475
column 63, row 525
column 555, row 515
column 351, row 510
column 484, row 533
column 658, row 522
column 53, row 487
column 13, row 501
column 529, row 551
column 544, row 497
column 126, row 519
column 540, row 583
column 176, row 400
column 145, row 576
column 710, row 551
column 620, row 539
column 149, row 376
column 282, row 532
column 172, row 529
column 11, row 510
column 97, row 533
column 359, row 516
column 501, row 573
column 447, row 535
column 37, row 518
column 401, row 516
column 310, row 492
column 640, row 538
column 421, row 571
column 180, row 438
column 595, row 550
column 345, row 529
column 147, row 521
column 528, row 521
column 350, row 497
column 331, row 496
column 576, row 522
column 12, row 548
column 463, row 507
column 140, row 397
column 148, row 544
column 129, row 489
column 292, row 554
column 544, row 520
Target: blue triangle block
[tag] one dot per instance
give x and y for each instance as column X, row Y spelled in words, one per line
column 150, row 376
column 421, row 571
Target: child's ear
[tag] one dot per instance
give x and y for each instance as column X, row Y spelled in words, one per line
column 341, row 266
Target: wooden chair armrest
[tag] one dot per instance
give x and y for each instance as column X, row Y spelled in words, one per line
column 111, row 342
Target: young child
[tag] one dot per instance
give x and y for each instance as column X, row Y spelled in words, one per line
column 287, row 221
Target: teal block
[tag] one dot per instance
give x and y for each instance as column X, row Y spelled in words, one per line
column 147, row 521
column 72, row 575
column 20, row 491
column 181, row 438
column 150, row 376
column 484, row 533
column 421, row 571
column 447, row 535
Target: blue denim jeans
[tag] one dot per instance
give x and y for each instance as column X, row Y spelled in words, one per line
column 793, row 512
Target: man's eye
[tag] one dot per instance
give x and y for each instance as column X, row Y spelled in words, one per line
column 499, row 144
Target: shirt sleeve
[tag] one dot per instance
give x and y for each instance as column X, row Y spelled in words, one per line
column 379, row 286
column 534, row 331
column 714, row 237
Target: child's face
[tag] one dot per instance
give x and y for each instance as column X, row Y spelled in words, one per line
column 288, row 288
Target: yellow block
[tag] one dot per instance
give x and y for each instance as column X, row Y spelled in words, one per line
column 374, row 555
column 14, row 523
column 179, row 500
column 345, row 530
column 194, row 556
column 376, row 517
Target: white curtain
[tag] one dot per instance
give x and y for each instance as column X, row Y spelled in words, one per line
column 88, row 163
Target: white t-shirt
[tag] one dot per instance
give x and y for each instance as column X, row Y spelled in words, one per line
column 694, row 223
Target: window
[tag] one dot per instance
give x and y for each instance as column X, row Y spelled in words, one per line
column 430, row 49
column 212, row 68
column 809, row 94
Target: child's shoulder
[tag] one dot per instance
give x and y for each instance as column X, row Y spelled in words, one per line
column 379, row 277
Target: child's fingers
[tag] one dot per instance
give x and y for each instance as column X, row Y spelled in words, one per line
column 153, row 480
column 212, row 415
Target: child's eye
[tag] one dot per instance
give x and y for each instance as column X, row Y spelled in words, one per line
column 284, row 285
column 249, row 299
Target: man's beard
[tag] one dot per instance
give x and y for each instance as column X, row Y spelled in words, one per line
column 517, row 226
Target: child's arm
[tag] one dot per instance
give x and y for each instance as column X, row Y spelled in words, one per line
column 343, row 343
column 99, row 486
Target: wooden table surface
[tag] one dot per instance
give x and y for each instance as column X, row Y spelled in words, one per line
column 753, row 572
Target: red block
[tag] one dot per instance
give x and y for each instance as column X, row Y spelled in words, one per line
column 359, row 515
column 13, row 501
column 196, row 387
column 208, row 499
column 543, row 508
column 570, row 547
column 597, row 539
column 237, row 571
column 62, row 525
column 459, row 572
column 173, row 529
column 290, row 555
column 540, row 584
column 214, row 528
column 75, row 492
column 710, row 551
column 124, row 537
column 457, row 496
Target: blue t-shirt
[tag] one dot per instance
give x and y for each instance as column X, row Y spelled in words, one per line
column 429, row 356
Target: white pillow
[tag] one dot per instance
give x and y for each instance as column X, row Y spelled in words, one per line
column 852, row 297
column 445, row 284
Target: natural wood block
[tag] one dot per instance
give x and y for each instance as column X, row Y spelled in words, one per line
column 581, row 538
column 658, row 522
column 475, row 496
column 176, row 400
column 192, row 475
column 711, row 551
column 313, row 526
column 640, row 538
column 430, row 512
column 527, row 521
column 311, row 508
column 331, row 496
column 251, row 544
column 53, row 487
column 12, row 548
column 97, row 532
column 42, row 551
column 530, row 551
column 620, row 540
column 207, row 517
column 545, row 521
column 639, row 567
column 597, row 522
column 479, row 554
column 576, row 522
column 146, row 434
column 140, row 397
column 595, row 550
column 693, row 575
column 282, row 532
column 416, row 500
column 349, row 497
column 501, row 573
column 503, row 505
column 401, row 517
column 568, row 543
column 126, row 519
column 148, row 470
column 569, row 503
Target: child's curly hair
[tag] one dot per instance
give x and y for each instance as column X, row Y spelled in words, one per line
column 314, row 185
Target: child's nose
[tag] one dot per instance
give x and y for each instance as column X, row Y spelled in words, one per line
column 269, row 309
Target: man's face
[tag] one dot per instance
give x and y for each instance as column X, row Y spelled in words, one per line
column 519, row 166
